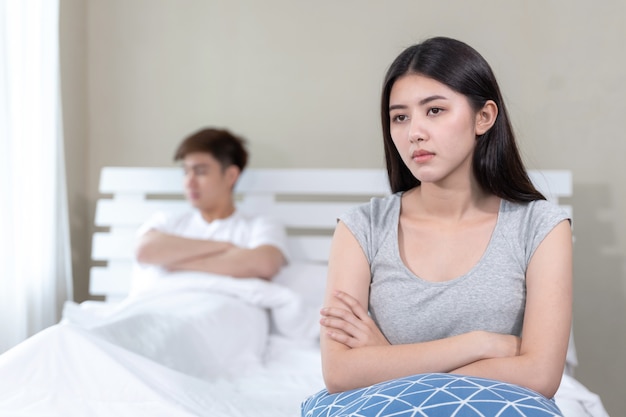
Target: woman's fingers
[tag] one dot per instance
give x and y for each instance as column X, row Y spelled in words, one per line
column 350, row 324
column 343, row 320
column 341, row 331
column 340, row 313
column 357, row 309
column 343, row 338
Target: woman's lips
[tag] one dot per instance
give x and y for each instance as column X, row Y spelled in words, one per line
column 422, row 156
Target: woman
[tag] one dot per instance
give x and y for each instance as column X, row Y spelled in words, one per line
column 465, row 269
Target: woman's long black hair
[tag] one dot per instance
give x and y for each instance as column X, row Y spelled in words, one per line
column 496, row 163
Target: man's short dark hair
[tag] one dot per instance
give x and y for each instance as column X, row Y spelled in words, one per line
column 227, row 148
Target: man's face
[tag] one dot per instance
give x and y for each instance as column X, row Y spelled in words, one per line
column 207, row 183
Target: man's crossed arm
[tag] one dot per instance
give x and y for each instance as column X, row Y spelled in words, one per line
column 183, row 254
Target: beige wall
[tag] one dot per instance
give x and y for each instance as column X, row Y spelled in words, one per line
column 73, row 47
column 301, row 80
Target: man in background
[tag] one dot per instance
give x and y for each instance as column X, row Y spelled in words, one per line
column 213, row 236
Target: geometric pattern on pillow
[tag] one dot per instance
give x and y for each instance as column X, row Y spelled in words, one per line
column 433, row 395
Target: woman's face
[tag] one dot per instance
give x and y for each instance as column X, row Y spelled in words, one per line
column 433, row 128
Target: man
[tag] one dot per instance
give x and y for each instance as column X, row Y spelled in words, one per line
column 189, row 307
column 214, row 236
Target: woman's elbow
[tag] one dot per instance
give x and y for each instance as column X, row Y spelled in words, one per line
column 334, row 383
column 546, row 383
column 549, row 389
column 337, row 378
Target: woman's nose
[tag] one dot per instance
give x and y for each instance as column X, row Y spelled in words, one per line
column 416, row 132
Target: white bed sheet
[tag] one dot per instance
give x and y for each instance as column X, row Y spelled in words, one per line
column 68, row 371
column 192, row 346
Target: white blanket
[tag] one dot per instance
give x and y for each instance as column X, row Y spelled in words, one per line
column 66, row 371
column 575, row 400
column 201, row 324
column 292, row 316
column 194, row 345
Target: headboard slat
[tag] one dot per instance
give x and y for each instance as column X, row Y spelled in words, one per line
column 307, row 201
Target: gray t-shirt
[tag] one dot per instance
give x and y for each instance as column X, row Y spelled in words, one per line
column 490, row 297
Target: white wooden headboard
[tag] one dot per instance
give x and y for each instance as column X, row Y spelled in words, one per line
column 307, row 201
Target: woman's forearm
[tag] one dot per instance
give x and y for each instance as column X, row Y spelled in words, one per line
column 526, row 370
column 346, row 369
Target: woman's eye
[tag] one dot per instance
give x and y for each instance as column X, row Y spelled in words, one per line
column 399, row 118
column 435, row 111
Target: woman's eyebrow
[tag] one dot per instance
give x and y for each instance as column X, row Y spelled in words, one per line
column 397, row 106
column 431, row 98
column 422, row 102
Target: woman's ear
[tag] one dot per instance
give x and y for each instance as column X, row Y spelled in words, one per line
column 486, row 117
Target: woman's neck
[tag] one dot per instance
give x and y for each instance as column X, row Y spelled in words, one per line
column 452, row 204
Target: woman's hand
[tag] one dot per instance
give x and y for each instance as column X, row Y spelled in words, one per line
column 350, row 324
column 502, row 345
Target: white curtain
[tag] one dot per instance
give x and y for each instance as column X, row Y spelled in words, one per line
column 35, row 267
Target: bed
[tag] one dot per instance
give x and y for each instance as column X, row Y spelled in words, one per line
column 154, row 366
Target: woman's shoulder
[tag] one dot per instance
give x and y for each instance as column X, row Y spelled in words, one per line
column 538, row 216
column 534, row 209
column 376, row 209
column 525, row 225
column 373, row 222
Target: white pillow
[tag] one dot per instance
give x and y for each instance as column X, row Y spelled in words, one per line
column 308, row 279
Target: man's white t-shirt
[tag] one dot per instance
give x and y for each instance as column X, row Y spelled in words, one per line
column 241, row 229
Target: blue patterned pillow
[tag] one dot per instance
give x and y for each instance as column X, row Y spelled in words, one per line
column 433, row 395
